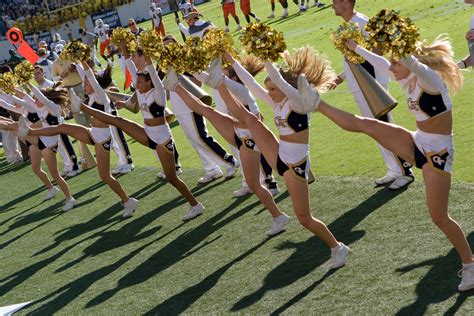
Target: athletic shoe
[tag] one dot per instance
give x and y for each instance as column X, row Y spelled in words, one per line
column 75, row 101
column 231, row 171
column 193, row 212
column 238, row 28
column 339, row 255
column 278, row 224
column 309, row 97
column 284, row 15
column 244, row 190
column 69, row 204
column 226, row 29
column 64, row 172
column 385, row 179
column 215, row 73
column 257, row 19
column 129, row 207
column 51, row 193
column 401, row 182
column 161, row 174
column 273, row 187
column 271, row 16
column 117, row 170
column 467, row 275
column 127, row 168
column 319, row 4
column 73, row 173
column 171, row 80
column 23, row 128
column 211, row 176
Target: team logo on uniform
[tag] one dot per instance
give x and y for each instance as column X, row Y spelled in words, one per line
column 170, row 145
column 279, row 121
column 413, row 104
column 300, row 170
column 439, row 160
column 249, row 143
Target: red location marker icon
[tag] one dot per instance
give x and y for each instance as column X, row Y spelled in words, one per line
column 15, row 36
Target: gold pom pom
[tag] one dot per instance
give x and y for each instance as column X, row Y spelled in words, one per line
column 345, row 32
column 120, row 34
column 263, row 41
column 7, row 82
column 24, row 72
column 197, row 56
column 216, row 42
column 151, row 44
column 76, row 51
column 173, row 54
column 392, row 33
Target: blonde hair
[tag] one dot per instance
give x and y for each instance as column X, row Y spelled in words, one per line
column 250, row 63
column 439, row 56
column 305, row 60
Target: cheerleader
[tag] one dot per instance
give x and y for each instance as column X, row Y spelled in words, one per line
column 98, row 135
column 290, row 155
column 156, row 133
column 42, row 110
column 430, row 147
column 240, row 137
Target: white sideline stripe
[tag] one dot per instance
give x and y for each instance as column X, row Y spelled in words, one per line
column 9, row 310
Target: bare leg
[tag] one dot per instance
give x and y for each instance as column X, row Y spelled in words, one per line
column 264, row 138
column 222, row 122
column 169, row 168
column 35, row 157
column 300, row 198
column 78, row 132
column 52, row 163
column 396, row 139
column 437, row 195
column 251, row 167
column 103, row 166
column 133, row 129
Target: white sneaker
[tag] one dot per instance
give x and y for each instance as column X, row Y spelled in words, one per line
column 73, row 173
column 284, row 15
column 239, row 27
column 69, row 204
column 210, row 177
column 385, row 179
column 278, row 224
column 271, row 16
column 401, row 182
column 309, row 97
column 193, row 212
column 230, row 172
column 129, row 207
column 64, row 172
column 244, row 190
column 339, row 255
column 23, row 128
column 215, row 73
column 117, row 170
column 467, row 275
column 127, row 168
column 75, row 101
column 161, row 174
column 171, row 80
column 226, row 29
column 51, row 193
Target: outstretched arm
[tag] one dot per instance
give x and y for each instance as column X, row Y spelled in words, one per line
column 282, row 84
column 10, row 107
column 159, row 88
column 428, row 78
column 95, row 85
column 53, row 108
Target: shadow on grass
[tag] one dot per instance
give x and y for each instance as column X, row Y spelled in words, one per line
column 173, row 252
column 6, row 167
column 312, row 253
column 438, row 285
column 22, row 198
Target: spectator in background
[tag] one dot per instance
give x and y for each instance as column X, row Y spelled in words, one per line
column 134, row 28
column 90, row 39
column 45, row 63
column 14, row 59
column 68, row 31
column 57, row 40
column 156, row 19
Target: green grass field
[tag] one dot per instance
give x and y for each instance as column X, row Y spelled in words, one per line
column 90, row 261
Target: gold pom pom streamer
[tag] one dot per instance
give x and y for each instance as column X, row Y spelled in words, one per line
column 76, row 51
column 263, row 41
column 392, row 34
column 173, row 54
column 216, row 42
column 120, row 34
column 345, row 32
column 7, row 82
column 24, row 72
column 197, row 56
column 151, row 44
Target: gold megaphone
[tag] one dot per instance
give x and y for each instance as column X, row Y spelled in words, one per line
column 195, row 90
column 379, row 100
column 133, row 106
